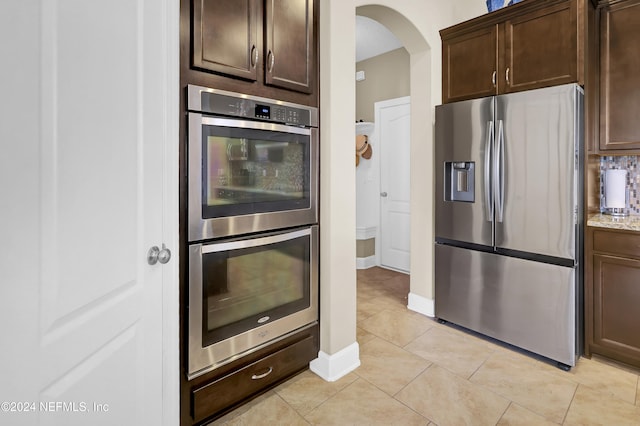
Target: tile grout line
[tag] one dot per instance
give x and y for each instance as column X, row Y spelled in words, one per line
column 411, row 381
column 564, row 419
column 505, row 411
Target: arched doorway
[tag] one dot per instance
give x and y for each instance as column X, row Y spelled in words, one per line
column 339, row 351
column 383, row 176
column 421, row 293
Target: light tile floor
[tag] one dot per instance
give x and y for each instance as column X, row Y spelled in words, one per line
column 416, row 371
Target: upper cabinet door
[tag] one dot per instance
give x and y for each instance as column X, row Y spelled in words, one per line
column 620, row 76
column 469, row 65
column 290, row 46
column 225, row 37
column 540, row 48
column 528, row 45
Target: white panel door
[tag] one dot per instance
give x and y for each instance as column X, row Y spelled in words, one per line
column 84, row 198
column 394, row 136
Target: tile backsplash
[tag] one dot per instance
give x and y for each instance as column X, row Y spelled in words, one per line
column 629, row 163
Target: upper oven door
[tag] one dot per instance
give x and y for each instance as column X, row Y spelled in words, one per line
column 247, row 176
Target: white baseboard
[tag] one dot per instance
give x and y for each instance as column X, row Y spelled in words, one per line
column 333, row 367
column 422, row 305
column 366, row 262
column 366, row 233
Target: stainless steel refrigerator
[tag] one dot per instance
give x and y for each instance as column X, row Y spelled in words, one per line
column 508, row 214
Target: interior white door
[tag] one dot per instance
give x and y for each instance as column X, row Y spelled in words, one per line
column 84, row 194
column 394, row 137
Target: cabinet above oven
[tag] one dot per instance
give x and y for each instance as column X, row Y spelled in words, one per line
column 267, row 48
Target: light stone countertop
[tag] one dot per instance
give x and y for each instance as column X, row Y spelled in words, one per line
column 628, row 223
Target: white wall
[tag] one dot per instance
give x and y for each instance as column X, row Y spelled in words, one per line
column 416, row 24
column 368, row 184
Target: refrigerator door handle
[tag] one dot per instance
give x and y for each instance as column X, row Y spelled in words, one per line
column 499, row 173
column 487, row 172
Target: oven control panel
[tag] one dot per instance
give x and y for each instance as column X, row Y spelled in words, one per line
column 219, row 102
column 282, row 114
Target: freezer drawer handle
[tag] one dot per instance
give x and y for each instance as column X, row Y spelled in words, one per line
column 488, row 205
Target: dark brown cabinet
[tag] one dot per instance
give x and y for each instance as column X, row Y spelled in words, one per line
column 263, row 45
column 225, row 37
column 525, row 46
column 266, row 48
column 619, row 74
column 541, row 48
column 237, row 385
column 612, row 299
column 213, row 394
column 289, row 44
column 469, row 64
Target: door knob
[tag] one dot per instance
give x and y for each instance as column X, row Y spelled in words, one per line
column 383, row 194
column 155, row 255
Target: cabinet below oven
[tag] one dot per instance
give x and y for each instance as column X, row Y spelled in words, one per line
column 212, row 395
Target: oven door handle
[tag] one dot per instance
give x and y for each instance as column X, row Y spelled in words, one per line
column 254, row 242
column 257, row 125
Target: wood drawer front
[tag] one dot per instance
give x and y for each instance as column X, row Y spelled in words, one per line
column 617, row 243
column 251, row 379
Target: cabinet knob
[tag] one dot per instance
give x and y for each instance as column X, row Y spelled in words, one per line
column 493, row 78
column 507, row 76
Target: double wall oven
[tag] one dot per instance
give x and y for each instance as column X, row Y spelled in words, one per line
column 252, row 224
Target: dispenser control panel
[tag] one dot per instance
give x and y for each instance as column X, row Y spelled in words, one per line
column 460, row 182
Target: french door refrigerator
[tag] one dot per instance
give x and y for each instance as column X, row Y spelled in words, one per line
column 508, row 214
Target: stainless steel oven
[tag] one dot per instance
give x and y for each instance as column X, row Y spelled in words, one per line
column 247, row 292
column 252, row 164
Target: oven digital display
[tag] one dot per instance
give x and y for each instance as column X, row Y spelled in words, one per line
column 263, row 111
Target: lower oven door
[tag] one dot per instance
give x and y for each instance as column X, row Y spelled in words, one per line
column 245, row 293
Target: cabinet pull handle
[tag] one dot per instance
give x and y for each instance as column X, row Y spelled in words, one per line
column 272, row 60
column 263, row 375
column 254, row 56
column 507, row 76
column 493, row 78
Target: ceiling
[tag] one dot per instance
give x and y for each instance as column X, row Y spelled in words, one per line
column 373, row 39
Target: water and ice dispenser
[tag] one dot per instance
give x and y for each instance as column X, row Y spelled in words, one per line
column 460, row 182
